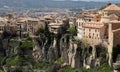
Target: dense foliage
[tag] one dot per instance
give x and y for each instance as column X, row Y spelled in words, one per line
column 104, row 68
column 116, row 52
column 72, row 30
column 26, row 45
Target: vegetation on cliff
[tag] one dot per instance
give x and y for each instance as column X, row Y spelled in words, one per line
column 52, row 52
column 104, row 68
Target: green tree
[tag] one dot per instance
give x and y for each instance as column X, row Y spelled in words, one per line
column 72, row 30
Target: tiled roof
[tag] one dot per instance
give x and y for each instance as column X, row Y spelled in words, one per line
column 3, row 19
column 20, row 20
column 93, row 25
column 112, row 7
column 48, row 17
column 55, row 27
column 55, row 24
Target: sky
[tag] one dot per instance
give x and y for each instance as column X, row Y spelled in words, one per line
column 99, row 0
column 88, row 0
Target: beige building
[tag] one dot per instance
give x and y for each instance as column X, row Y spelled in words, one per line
column 6, row 24
column 116, row 32
column 104, row 28
column 30, row 25
column 3, row 22
column 95, row 27
column 111, row 16
column 60, row 26
column 93, row 32
column 55, row 27
column 48, row 19
column 111, row 12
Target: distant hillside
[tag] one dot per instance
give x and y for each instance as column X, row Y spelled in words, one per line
column 49, row 4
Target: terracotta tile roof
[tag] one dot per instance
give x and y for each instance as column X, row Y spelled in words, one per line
column 28, row 18
column 55, row 27
column 3, row 19
column 55, row 24
column 93, row 25
column 41, row 18
column 20, row 20
column 112, row 7
column 48, row 17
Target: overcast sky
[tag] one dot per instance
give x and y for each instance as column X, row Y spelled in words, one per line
column 88, row 0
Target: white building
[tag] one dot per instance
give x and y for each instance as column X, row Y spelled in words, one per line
column 80, row 23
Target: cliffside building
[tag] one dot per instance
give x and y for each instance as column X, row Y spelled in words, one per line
column 93, row 32
column 104, row 27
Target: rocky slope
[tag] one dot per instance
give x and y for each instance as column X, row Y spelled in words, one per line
column 50, row 52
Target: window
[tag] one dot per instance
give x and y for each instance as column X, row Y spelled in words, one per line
column 95, row 30
column 97, row 35
column 89, row 36
column 98, row 38
column 89, row 19
column 89, row 29
column 84, row 29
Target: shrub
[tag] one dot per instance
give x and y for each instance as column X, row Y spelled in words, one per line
column 72, row 30
column 41, row 65
column 16, row 61
column 104, row 68
column 27, row 45
column 59, row 61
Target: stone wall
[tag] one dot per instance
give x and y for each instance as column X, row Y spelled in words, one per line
column 116, row 40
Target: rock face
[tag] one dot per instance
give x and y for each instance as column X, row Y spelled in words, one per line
column 37, row 52
column 72, row 52
column 6, row 46
column 2, row 49
column 64, row 46
column 54, row 68
column 116, row 67
column 5, row 43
